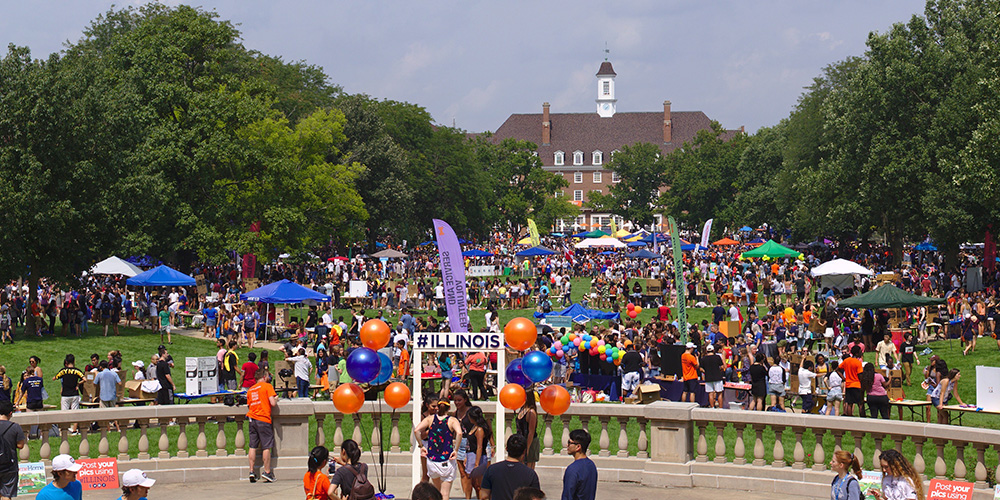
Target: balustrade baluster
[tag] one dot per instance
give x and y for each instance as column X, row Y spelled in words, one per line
column 939, row 467
column 918, row 456
column 565, row 434
column 702, row 447
column 182, row 438
column 643, row 443
column 84, row 448
column 64, row 439
column 338, row 431
column 376, row 440
column 605, row 439
column 25, row 453
column 779, row 448
column 144, row 441
column 320, row 435
column 739, row 449
column 877, row 453
column 394, row 433
column 220, row 438
column 860, row 455
column 102, row 445
column 547, row 436
column 758, row 445
column 623, row 437
column 980, row 465
column 163, row 443
column 45, row 449
column 898, row 440
column 720, row 444
column 798, row 452
column 123, row 443
column 837, row 437
column 240, row 440
column 819, row 454
column 356, row 435
column 201, row 442
column 960, row 468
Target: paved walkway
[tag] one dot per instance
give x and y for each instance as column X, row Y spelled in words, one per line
column 292, row 488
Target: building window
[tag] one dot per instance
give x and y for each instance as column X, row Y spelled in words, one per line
column 613, row 155
column 578, row 195
column 560, row 193
column 560, row 158
column 615, row 177
column 598, row 157
column 607, row 87
column 598, row 178
column 578, row 158
column 577, row 177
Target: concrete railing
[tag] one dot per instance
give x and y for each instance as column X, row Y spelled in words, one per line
column 660, row 444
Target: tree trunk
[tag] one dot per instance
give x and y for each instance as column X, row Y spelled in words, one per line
column 896, row 242
column 30, row 327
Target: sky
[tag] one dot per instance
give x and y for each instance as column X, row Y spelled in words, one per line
column 471, row 64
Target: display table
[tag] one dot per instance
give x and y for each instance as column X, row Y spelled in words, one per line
column 962, row 410
column 911, row 404
column 672, row 390
column 187, row 398
column 608, row 384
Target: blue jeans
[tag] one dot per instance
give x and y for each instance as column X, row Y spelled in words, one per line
column 303, row 387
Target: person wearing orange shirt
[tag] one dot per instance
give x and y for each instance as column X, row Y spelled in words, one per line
column 404, row 360
column 315, row 482
column 689, row 371
column 852, row 382
column 261, row 398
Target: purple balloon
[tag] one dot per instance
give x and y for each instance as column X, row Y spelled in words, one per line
column 363, row 365
column 514, row 373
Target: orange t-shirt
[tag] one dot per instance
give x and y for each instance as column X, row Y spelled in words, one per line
column 258, row 404
column 852, row 367
column 317, row 484
column 404, row 363
column 689, row 366
column 775, row 268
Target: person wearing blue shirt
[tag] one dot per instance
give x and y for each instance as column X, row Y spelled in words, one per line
column 407, row 320
column 211, row 317
column 64, row 485
column 580, row 478
column 107, row 382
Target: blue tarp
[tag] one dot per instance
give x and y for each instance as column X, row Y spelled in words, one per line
column 639, row 243
column 689, row 247
column 746, row 229
column 161, row 276
column 581, row 314
column 476, row 253
column 926, row 247
column 643, row 254
column 608, row 252
column 283, row 292
column 535, row 251
column 427, row 243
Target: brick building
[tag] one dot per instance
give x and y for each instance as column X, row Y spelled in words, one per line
column 578, row 146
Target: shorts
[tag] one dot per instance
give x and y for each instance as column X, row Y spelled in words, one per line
column 163, row 396
column 262, row 435
column 835, row 395
column 210, row 322
column 713, row 386
column 446, row 470
column 470, row 464
column 8, row 484
column 107, row 404
column 691, row 385
column 462, row 446
column 67, row 403
column 853, row 396
column 630, row 381
column 776, row 389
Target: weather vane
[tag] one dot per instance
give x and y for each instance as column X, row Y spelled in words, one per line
column 607, row 51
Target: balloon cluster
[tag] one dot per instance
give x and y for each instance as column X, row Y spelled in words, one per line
column 633, row 310
column 534, row 367
column 367, row 366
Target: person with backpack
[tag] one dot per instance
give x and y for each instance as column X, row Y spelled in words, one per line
column 315, row 482
column 352, row 477
column 11, row 440
column 845, row 486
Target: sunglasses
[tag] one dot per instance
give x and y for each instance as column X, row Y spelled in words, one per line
column 573, row 442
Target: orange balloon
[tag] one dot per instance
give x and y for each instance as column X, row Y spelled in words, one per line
column 375, row 334
column 520, row 333
column 348, row 398
column 512, row 396
column 397, row 394
column 554, row 400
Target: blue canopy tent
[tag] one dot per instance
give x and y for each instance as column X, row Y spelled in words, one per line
column 161, row 276
column 427, row 243
column 284, row 292
column 608, row 252
column 926, row 247
column 643, row 254
column 580, row 314
column 639, row 243
column 535, row 251
column 476, row 253
column 746, row 229
column 689, row 247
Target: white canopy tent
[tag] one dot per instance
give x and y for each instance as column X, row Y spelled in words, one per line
column 114, row 265
column 601, row 242
column 838, row 273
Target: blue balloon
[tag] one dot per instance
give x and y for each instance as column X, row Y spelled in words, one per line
column 565, row 348
column 363, row 365
column 536, row 366
column 514, row 373
column 385, row 369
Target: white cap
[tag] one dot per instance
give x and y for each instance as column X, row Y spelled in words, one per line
column 136, row 477
column 690, row 345
column 65, row 462
column 138, row 364
column 710, row 347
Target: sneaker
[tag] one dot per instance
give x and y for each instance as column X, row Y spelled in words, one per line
column 268, row 477
column 253, row 477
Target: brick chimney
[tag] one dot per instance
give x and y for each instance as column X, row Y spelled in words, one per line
column 667, row 124
column 546, row 125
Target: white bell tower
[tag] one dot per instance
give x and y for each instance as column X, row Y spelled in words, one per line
column 606, row 90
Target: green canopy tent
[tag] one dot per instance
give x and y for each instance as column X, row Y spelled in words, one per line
column 888, row 297
column 771, row 250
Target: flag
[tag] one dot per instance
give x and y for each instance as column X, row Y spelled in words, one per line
column 678, row 279
column 533, row 233
column 705, row 232
column 452, row 276
column 614, row 227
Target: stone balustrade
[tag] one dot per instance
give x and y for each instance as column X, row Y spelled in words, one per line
column 660, row 444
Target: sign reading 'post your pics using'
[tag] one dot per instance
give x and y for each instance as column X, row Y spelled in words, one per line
column 949, row 490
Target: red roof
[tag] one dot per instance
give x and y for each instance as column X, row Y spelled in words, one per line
column 606, row 69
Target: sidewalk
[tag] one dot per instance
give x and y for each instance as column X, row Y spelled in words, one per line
column 291, row 487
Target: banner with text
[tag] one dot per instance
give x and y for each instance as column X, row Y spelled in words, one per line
column 705, row 232
column 940, row 489
column 533, row 233
column 452, row 276
column 31, row 477
column 458, row 341
column 98, row 473
column 675, row 240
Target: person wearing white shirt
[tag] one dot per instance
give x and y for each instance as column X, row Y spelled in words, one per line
column 734, row 312
column 806, row 377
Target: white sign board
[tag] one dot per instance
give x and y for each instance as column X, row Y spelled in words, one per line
column 357, row 288
column 201, row 375
column 475, row 271
column 458, row 341
column 988, row 388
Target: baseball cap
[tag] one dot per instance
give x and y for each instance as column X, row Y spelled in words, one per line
column 65, row 462
column 138, row 364
column 690, row 345
column 136, row 477
column 710, row 347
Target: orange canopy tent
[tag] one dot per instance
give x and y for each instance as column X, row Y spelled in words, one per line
column 725, row 242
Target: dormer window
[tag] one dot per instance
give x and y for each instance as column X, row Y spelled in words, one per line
column 578, row 157
column 560, row 158
column 598, row 157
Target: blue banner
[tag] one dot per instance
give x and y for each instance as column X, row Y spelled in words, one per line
column 452, row 276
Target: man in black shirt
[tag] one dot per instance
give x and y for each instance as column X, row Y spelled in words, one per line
column 165, row 395
column 502, row 479
column 631, row 369
column 712, row 367
column 718, row 313
column 72, row 379
column 11, row 440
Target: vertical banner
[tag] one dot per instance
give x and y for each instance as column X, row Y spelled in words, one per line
column 533, row 233
column 705, row 232
column 452, row 276
column 614, row 227
column 675, row 240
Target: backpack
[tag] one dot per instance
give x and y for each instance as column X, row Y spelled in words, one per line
column 861, row 494
column 8, row 454
column 362, row 489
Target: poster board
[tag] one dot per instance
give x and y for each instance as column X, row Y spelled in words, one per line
column 871, row 480
column 199, row 281
column 98, row 473
column 31, row 478
column 729, row 329
column 252, row 284
column 940, row 489
column 477, row 271
column 895, row 380
column 201, row 375
column 795, row 360
column 988, row 387
column 357, row 288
